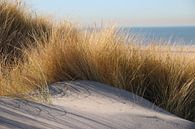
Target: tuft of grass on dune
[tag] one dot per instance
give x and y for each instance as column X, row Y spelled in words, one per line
column 155, row 72
column 18, row 29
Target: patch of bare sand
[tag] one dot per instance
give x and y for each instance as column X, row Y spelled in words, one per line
column 88, row 105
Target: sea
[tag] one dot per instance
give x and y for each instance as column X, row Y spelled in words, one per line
column 175, row 35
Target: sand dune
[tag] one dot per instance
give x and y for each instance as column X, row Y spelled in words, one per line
column 87, row 105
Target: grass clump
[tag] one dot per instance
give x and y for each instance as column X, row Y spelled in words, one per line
column 155, row 72
column 18, row 29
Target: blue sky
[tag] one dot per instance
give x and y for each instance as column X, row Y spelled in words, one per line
column 120, row 12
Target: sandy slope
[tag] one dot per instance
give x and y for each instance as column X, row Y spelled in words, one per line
column 84, row 105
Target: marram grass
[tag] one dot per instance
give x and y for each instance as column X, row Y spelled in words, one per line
column 18, row 29
column 63, row 53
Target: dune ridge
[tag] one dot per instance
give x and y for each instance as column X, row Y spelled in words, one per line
column 88, row 105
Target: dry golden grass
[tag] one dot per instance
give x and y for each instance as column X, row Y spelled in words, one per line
column 155, row 72
column 18, row 29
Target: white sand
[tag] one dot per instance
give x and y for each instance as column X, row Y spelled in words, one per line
column 88, row 105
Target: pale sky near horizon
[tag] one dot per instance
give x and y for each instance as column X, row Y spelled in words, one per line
column 119, row 12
